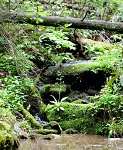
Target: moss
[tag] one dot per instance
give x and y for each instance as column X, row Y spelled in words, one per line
column 104, row 62
column 2, row 139
column 75, row 69
column 71, row 131
column 7, row 116
column 80, row 117
column 71, row 111
column 57, row 88
column 4, row 126
column 83, row 125
column 47, row 137
column 46, row 131
column 53, row 125
column 29, row 117
column 8, row 138
column 80, row 101
column 72, row 69
column 87, row 118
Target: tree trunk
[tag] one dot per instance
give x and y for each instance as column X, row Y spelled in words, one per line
column 35, row 19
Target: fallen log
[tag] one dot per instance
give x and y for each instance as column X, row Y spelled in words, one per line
column 35, row 19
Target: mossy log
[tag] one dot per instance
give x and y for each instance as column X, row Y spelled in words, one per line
column 12, row 17
column 29, row 117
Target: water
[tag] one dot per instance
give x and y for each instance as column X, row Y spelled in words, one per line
column 74, row 142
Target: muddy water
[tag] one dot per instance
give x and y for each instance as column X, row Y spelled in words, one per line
column 74, row 142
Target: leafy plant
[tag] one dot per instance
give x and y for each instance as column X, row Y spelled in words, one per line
column 62, row 57
column 25, row 125
column 59, row 37
column 13, row 92
column 7, row 64
column 57, row 103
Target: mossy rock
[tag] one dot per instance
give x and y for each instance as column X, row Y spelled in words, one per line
column 80, row 76
column 46, row 131
column 69, row 111
column 71, row 131
column 53, row 125
column 80, row 117
column 53, row 88
column 8, row 141
column 84, row 125
column 75, row 69
column 41, row 136
column 8, row 138
column 29, row 117
column 7, row 116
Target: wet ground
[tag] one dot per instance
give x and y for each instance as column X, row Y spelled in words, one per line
column 74, row 142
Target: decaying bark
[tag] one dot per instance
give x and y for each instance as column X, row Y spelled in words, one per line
column 35, row 19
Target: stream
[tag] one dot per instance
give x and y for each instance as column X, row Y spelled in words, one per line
column 74, row 142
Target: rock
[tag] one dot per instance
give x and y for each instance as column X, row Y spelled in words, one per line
column 71, row 131
column 80, row 76
column 40, row 136
column 22, row 134
column 53, row 125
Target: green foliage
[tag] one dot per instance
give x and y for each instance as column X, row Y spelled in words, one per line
column 7, row 64
column 7, row 134
column 109, row 59
column 31, row 89
column 56, row 47
column 117, row 75
column 16, row 62
column 110, row 97
column 62, row 57
column 94, row 48
column 13, row 92
column 25, row 125
column 23, row 64
column 57, row 88
column 59, row 37
column 115, row 128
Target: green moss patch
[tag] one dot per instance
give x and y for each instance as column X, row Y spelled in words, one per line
column 53, row 88
column 80, row 117
column 7, row 134
column 84, row 125
column 70, row 111
column 77, row 68
column 6, row 140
